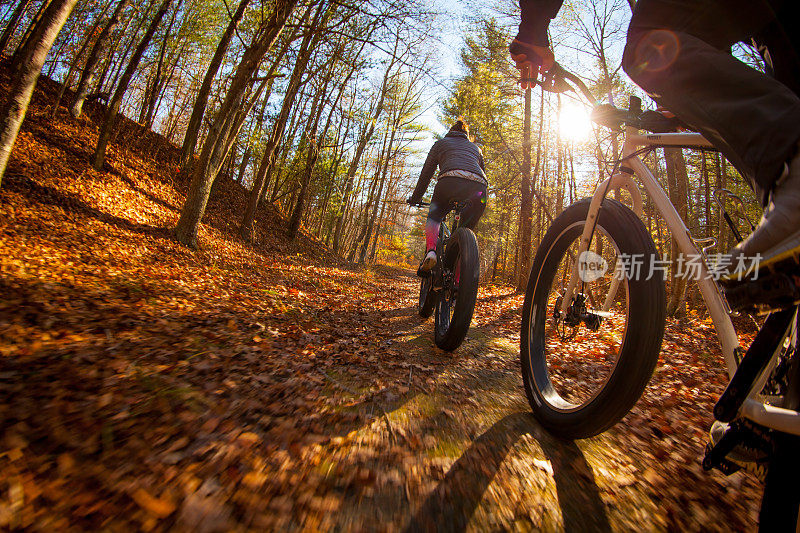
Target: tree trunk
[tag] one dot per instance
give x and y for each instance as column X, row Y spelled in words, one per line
column 149, row 104
column 311, row 160
column 206, row 170
column 362, row 144
column 368, row 236
column 678, row 180
column 18, row 57
column 75, row 61
column 116, row 100
column 199, row 110
column 268, row 159
column 526, row 204
column 27, row 73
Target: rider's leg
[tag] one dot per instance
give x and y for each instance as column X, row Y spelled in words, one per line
column 431, row 233
column 753, row 119
column 472, row 214
column 440, row 205
column 448, row 190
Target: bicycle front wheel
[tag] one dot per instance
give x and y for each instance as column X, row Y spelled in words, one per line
column 459, row 292
column 585, row 368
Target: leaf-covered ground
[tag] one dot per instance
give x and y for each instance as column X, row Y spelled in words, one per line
column 269, row 386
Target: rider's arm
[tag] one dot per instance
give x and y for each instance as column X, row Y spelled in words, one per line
column 427, row 173
column 536, row 17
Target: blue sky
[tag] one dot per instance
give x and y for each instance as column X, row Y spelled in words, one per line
column 455, row 20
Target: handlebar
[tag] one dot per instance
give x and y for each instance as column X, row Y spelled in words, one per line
column 419, row 204
column 560, row 80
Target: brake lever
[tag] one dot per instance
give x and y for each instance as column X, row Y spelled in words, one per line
column 560, row 80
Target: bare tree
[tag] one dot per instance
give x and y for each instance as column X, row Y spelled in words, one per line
column 116, row 100
column 31, row 60
column 207, row 166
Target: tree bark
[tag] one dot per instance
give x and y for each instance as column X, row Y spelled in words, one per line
column 18, row 56
column 116, row 100
column 27, row 73
column 678, row 180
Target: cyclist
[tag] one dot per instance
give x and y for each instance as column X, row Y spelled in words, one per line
column 679, row 52
column 461, row 177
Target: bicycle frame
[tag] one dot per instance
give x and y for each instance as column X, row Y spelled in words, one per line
column 754, row 408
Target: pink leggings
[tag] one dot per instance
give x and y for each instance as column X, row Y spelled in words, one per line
column 431, row 234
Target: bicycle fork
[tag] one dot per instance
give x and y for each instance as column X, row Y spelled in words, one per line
column 620, row 180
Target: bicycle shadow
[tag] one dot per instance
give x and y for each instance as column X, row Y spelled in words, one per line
column 453, row 502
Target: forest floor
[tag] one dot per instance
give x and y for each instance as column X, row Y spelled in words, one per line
column 270, row 386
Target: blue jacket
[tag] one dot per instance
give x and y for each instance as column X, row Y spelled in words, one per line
column 453, row 152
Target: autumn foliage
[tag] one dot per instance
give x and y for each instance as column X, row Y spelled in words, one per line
column 269, row 385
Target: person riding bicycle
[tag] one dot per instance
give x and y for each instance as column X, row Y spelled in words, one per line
column 679, row 51
column 462, row 176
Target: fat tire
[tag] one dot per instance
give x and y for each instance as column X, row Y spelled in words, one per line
column 463, row 247
column 645, row 327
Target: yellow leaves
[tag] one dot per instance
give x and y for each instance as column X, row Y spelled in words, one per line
column 247, row 438
column 158, row 507
column 254, row 480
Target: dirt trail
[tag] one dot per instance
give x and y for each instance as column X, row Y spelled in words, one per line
column 460, row 449
column 266, row 386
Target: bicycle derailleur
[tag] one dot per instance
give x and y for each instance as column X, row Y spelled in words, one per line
column 577, row 313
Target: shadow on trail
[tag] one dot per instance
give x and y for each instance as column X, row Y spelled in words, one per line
column 150, row 196
column 497, row 297
column 451, row 505
column 50, row 196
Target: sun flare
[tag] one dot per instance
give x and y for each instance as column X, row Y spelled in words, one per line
column 574, row 122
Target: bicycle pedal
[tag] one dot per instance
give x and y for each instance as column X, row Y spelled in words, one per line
column 770, row 293
column 777, row 288
column 723, row 465
column 745, row 439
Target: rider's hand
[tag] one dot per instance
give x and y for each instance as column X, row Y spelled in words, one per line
column 666, row 112
column 531, row 60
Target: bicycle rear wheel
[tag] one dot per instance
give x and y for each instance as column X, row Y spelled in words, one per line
column 460, row 291
column 583, row 370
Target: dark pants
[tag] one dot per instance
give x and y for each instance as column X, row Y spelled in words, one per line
column 678, row 51
column 449, row 190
